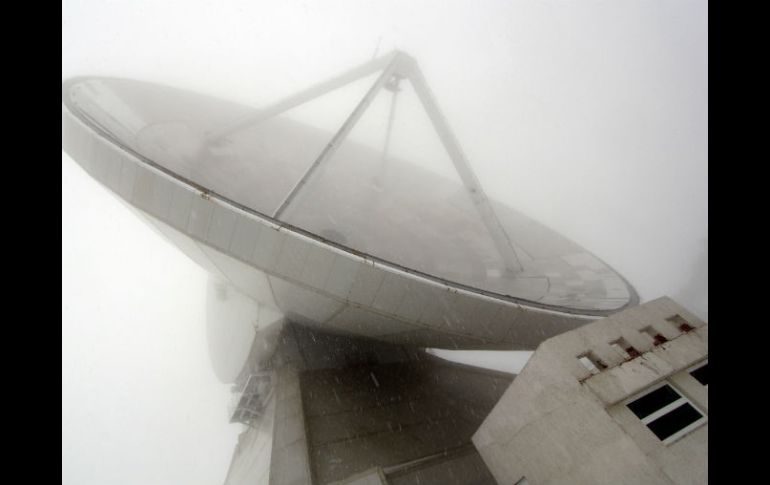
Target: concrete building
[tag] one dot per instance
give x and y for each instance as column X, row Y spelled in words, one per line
column 623, row 400
column 344, row 409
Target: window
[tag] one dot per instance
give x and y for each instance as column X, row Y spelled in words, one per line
column 624, row 348
column 668, row 414
column 701, row 374
column 657, row 338
column 680, row 323
column 592, row 362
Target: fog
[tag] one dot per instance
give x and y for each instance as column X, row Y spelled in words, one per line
column 591, row 117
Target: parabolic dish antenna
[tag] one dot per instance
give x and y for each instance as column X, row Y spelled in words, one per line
column 349, row 206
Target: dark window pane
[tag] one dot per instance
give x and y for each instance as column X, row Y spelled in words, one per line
column 646, row 405
column 701, row 374
column 632, row 352
column 674, row 421
column 659, row 339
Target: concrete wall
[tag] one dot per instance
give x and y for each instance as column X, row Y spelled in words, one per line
column 560, row 423
column 354, row 410
column 251, row 458
column 392, row 414
column 290, row 464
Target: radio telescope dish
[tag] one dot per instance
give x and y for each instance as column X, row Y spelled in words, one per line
column 370, row 223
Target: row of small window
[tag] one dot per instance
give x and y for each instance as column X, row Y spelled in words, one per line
column 594, row 364
column 666, row 412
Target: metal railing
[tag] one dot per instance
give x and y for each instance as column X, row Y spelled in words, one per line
column 248, row 402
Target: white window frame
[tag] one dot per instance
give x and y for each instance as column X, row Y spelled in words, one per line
column 667, row 409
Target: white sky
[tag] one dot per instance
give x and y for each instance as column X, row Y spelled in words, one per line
column 589, row 116
column 140, row 402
